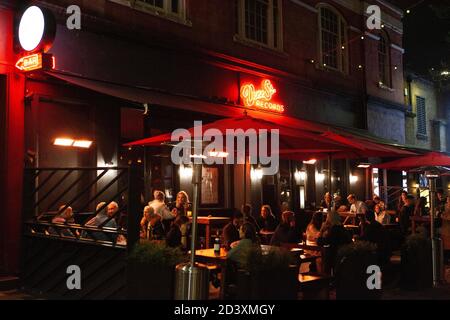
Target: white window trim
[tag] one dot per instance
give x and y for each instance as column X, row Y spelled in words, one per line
column 242, row 38
column 159, row 12
column 341, row 69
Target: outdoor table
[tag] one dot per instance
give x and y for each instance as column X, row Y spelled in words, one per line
column 211, row 222
column 266, row 235
column 208, row 257
column 418, row 220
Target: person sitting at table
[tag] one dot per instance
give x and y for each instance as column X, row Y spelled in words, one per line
column 358, row 207
column 176, row 237
column 339, row 203
column 286, row 231
column 248, row 240
column 420, row 209
column 374, row 232
column 104, row 218
column 266, row 221
column 65, row 216
column 313, row 229
column 247, row 212
column 326, row 201
column 151, row 225
column 405, row 213
column 230, row 232
column 381, row 215
column 159, row 206
column 182, row 205
column 334, row 235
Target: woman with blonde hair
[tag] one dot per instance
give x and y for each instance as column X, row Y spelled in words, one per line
column 181, row 204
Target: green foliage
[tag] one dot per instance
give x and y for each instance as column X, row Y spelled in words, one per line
column 274, row 259
column 417, row 242
column 358, row 248
column 157, row 254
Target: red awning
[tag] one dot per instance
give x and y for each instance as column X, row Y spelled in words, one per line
column 430, row 159
column 289, row 137
column 294, row 133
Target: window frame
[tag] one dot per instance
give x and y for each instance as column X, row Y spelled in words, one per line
column 420, row 134
column 387, row 63
column 342, row 57
column 165, row 12
column 241, row 35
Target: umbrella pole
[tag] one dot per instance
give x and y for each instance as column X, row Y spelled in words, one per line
column 432, row 195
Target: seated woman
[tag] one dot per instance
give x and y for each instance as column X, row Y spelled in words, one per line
column 334, row 235
column 286, row 231
column 64, row 217
column 313, row 229
column 266, row 221
column 326, row 201
column 312, row 235
column 177, row 236
column 381, row 215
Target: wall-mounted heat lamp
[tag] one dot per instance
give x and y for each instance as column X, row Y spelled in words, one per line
column 69, row 142
column 311, row 161
column 364, row 165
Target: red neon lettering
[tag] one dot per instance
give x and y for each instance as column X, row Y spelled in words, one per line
column 260, row 98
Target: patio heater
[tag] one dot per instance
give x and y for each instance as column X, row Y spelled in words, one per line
column 436, row 242
column 192, row 279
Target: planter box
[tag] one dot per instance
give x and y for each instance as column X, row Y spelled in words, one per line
column 149, row 282
column 416, row 268
column 268, row 285
column 351, row 278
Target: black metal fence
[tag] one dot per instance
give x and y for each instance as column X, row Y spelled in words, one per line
column 95, row 238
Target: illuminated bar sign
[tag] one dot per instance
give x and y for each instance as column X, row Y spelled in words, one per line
column 36, row 61
column 261, row 98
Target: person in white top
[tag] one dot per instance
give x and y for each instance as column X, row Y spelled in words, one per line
column 159, row 206
column 381, row 215
column 357, row 206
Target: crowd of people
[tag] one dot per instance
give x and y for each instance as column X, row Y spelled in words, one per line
column 161, row 221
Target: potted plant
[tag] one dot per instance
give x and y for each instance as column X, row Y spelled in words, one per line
column 268, row 275
column 351, row 274
column 151, row 271
column 416, row 263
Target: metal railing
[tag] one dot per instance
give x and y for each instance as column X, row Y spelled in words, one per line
column 48, row 192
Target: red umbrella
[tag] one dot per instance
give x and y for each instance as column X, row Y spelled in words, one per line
column 289, row 137
column 431, row 159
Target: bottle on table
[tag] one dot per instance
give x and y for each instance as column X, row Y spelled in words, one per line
column 217, row 245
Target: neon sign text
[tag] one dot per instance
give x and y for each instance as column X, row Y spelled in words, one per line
column 261, row 98
column 36, row 61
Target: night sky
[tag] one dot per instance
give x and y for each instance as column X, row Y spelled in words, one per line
column 426, row 35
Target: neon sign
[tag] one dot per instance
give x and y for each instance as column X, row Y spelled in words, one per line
column 261, row 98
column 36, row 61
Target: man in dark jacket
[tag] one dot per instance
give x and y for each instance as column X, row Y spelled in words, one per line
column 230, row 232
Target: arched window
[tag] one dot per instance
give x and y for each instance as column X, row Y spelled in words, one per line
column 384, row 60
column 333, row 39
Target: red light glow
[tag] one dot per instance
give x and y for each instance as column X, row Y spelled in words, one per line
column 261, row 98
column 36, row 61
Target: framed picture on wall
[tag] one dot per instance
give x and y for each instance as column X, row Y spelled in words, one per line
column 211, row 187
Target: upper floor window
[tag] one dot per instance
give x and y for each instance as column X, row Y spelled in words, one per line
column 260, row 22
column 384, row 60
column 421, row 117
column 173, row 7
column 333, row 39
column 174, row 10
